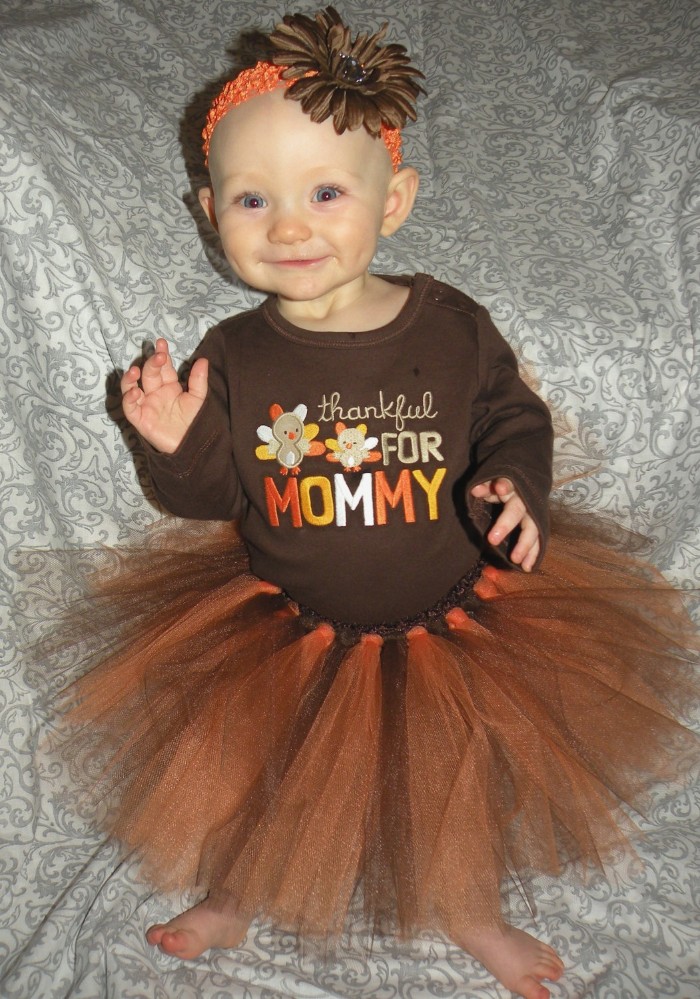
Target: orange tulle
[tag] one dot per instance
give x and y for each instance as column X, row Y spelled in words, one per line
column 283, row 771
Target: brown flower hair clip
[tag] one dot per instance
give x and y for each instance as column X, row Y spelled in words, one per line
column 354, row 81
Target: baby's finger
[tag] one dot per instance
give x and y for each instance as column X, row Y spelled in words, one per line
column 485, row 491
column 482, row 490
column 504, row 489
column 158, row 369
column 528, row 563
column 511, row 515
column 527, row 548
column 198, row 381
column 130, row 378
column 132, row 398
column 494, row 490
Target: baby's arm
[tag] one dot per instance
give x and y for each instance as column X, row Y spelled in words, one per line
column 159, row 408
column 511, row 438
column 514, row 514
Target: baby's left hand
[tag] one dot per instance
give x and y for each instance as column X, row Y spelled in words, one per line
column 513, row 514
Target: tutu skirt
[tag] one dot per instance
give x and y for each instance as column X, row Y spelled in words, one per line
column 287, row 767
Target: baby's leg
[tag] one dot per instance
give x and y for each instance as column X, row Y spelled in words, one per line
column 516, row 959
column 197, row 929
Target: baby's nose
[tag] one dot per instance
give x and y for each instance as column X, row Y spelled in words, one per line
column 289, row 227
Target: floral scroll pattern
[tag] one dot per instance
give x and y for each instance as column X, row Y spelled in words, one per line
column 558, row 145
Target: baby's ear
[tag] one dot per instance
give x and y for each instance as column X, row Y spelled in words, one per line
column 206, row 200
column 400, row 197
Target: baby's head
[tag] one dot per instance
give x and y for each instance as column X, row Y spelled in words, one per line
column 304, row 153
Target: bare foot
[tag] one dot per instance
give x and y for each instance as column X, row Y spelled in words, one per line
column 516, row 959
column 196, row 930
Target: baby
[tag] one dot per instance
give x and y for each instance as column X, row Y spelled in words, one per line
column 299, row 209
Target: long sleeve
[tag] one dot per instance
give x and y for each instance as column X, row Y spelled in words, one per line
column 511, row 431
column 200, row 480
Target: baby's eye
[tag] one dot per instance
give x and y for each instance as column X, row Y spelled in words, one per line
column 326, row 194
column 252, row 201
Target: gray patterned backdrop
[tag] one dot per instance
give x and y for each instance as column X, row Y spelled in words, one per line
column 558, row 147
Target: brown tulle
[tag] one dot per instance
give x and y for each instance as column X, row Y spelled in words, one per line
column 283, row 772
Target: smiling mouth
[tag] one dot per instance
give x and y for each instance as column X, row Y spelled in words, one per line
column 299, row 262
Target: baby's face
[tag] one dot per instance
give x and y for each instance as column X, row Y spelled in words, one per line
column 298, row 207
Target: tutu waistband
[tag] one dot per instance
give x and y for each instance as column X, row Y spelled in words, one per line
column 433, row 619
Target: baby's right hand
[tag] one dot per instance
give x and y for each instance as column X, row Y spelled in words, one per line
column 159, row 408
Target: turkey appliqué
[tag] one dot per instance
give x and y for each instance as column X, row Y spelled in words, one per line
column 352, row 447
column 289, row 439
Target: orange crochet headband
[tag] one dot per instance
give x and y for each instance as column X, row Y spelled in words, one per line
column 356, row 82
column 262, row 79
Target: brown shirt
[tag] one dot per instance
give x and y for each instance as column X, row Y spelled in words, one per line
column 347, row 457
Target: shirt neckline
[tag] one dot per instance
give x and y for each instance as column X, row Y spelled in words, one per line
column 418, row 289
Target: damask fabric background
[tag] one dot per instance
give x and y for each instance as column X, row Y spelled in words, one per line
column 558, row 147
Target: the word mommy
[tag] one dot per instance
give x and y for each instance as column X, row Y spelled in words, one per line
column 320, row 500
